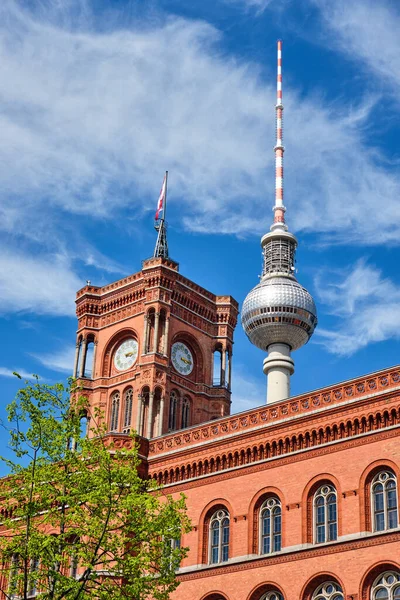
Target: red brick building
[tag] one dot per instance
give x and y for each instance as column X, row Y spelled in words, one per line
column 295, row 500
column 294, row 495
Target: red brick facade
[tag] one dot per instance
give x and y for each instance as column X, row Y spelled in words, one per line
column 334, row 441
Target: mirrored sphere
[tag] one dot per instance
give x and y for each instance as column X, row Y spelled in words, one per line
column 279, row 310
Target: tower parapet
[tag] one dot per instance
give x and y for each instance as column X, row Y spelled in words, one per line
column 279, row 314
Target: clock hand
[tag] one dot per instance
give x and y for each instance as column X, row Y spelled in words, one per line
column 129, row 354
column 185, row 360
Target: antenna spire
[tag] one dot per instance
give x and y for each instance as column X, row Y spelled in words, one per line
column 279, row 209
column 161, row 248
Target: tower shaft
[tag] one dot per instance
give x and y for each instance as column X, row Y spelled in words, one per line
column 278, row 314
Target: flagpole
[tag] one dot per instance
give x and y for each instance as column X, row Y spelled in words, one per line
column 165, row 199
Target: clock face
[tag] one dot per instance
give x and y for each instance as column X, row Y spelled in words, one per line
column 126, row 354
column 182, row 358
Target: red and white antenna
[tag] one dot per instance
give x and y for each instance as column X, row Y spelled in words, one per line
column 279, row 209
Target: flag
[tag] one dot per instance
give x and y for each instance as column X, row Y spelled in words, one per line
column 161, row 198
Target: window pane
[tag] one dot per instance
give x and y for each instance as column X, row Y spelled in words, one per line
column 381, row 594
column 225, row 553
column 379, row 522
column 266, row 524
column 332, row 511
column 391, row 499
column 392, row 519
column 320, row 533
column 225, row 534
column 320, row 515
column 214, row 555
column 266, row 548
column 215, row 536
column 277, row 543
column 277, row 523
column 396, row 593
column 332, row 531
column 378, row 501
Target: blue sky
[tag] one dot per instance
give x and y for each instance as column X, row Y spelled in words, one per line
column 98, row 99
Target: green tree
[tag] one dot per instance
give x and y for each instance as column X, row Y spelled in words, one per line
column 77, row 519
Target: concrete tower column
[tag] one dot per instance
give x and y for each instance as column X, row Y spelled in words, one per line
column 156, row 327
column 278, row 367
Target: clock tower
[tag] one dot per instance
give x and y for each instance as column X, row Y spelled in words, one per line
column 154, row 350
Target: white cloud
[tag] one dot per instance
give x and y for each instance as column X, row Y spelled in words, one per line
column 44, row 285
column 91, row 120
column 367, row 31
column 4, row 372
column 61, row 360
column 366, row 307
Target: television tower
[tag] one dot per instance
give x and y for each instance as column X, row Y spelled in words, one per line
column 278, row 314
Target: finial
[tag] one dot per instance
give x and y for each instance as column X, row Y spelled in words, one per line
column 279, row 209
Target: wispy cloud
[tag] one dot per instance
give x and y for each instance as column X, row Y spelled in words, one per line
column 44, row 285
column 367, row 31
column 4, row 372
column 366, row 307
column 84, row 132
column 61, row 360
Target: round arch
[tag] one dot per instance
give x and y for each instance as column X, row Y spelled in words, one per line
column 105, row 368
column 215, row 596
column 204, row 519
column 307, row 505
column 372, row 573
column 269, row 586
column 365, row 480
column 254, row 507
column 194, row 346
column 311, row 585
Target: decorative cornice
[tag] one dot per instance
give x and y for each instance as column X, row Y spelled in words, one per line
column 302, row 554
column 346, row 392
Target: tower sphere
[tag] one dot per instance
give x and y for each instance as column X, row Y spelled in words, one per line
column 279, row 310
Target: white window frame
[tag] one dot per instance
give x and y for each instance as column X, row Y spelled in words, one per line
column 173, row 410
column 324, row 491
column 218, row 517
column 383, row 477
column 382, row 583
column 270, row 504
column 272, row 595
column 322, row 592
column 115, row 406
column 128, row 403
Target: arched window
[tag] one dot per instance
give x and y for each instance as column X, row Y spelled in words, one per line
column 325, row 514
column 114, row 411
column 217, row 366
column 386, row 586
column 89, row 358
column 128, row 407
column 270, row 526
column 219, row 537
column 272, row 596
column 384, row 501
column 330, row 590
column 173, row 409
column 185, row 413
